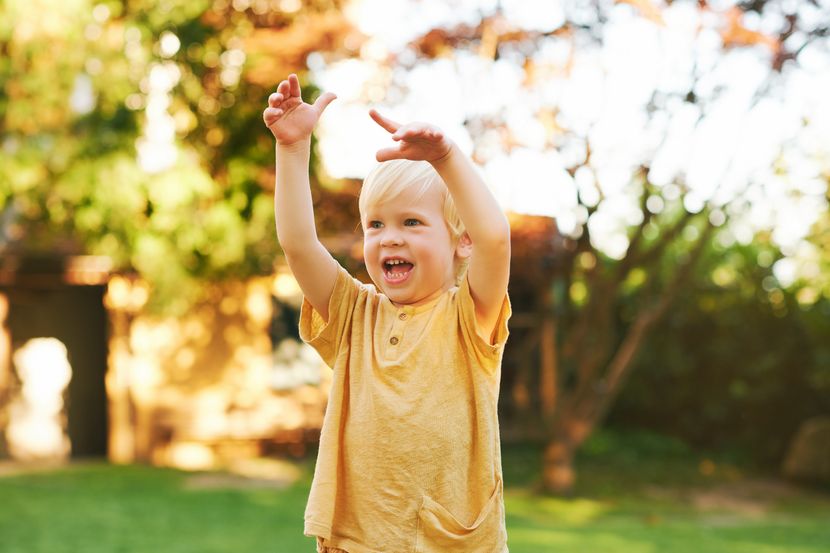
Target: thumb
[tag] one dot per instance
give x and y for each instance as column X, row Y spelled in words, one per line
column 386, row 154
column 323, row 101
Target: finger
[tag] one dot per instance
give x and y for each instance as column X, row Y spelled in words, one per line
column 385, row 154
column 384, row 122
column 285, row 89
column 323, row 101
column 271, row 114
column 275, row 99
column 410, row 132
column 294, row 85
column 406, row 132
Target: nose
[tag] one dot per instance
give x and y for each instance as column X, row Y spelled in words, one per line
column 391, row 237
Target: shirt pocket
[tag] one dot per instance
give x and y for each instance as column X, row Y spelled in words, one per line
column 439, row 531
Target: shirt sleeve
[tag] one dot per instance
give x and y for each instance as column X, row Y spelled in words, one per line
column 467, row 316
column 327, row 336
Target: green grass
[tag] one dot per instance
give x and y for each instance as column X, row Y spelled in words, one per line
column 98, row 508
column 633, row 496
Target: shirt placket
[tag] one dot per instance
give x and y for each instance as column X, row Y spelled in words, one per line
column 396, row 336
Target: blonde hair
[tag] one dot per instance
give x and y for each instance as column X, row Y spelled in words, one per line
column 389, row 179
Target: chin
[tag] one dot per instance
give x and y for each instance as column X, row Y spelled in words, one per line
column 398, row 297
column 395, row 295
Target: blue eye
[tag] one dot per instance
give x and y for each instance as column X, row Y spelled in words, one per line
column 411, row 222
column 375, row 224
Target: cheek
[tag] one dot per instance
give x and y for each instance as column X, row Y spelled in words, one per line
column 369, row 249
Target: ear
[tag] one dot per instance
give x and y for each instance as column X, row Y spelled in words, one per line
column 464, row 248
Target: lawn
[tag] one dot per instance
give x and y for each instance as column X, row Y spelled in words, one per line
column 638, row 498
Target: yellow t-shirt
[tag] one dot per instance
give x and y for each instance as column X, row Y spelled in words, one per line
column 409, row 458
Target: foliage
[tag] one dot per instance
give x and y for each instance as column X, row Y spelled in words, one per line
column 630, row 229
column 738, row 364
column 133, row 130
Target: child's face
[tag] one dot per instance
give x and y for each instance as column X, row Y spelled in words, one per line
column 408, row 249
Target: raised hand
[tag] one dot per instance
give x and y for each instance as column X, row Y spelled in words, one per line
column 415, row 141
column 288, row 117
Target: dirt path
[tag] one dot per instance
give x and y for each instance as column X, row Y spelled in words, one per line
column 739, row 500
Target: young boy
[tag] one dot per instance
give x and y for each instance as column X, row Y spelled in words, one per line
column 409, row 457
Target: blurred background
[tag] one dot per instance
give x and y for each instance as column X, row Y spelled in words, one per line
column 665, row 167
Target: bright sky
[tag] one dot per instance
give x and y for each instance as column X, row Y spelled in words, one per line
column 750, row 125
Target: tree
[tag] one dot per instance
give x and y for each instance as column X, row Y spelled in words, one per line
column 133, row 130
column 754, row 353
column 634, row 210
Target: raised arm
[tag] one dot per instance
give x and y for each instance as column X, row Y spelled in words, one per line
column 484, row 220
column 292, row 121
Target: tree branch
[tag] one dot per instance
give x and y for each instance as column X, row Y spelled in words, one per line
column 620, row 364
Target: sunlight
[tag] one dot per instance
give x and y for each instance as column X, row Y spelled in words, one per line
column 190, row 456
column 37, row 420
column 5, row 343
column 88, row 270
column 621, row 98
column 156, row 148
column 285, row 286
column 126, row 294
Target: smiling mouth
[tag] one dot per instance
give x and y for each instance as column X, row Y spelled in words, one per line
column 396, row 270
